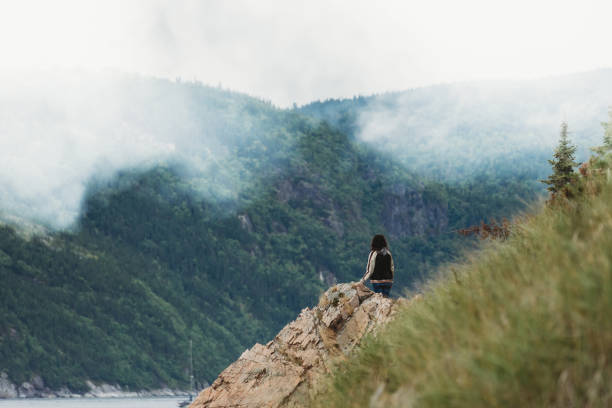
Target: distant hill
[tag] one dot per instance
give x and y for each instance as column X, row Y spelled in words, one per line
column 487, row 129
column 222, row 239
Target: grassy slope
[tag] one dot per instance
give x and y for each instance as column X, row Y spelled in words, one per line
column 524, row 323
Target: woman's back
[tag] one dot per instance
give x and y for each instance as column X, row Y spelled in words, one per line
column 380, row 268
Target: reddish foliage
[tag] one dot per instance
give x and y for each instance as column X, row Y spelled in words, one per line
column 492, row 230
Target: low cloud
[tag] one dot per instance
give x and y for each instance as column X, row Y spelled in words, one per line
column 288, row 51
column 59, row 129
column 460, row 129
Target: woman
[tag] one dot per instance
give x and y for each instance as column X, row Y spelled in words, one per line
column 380, row 266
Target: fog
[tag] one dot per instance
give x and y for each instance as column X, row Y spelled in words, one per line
column 299, row 51
column 454, row 131
column 61, row 129
column 68, row 113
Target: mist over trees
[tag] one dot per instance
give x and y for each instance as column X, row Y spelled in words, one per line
column 199, row 213
column 66, row 129
column 224, row 252
column 492, row 129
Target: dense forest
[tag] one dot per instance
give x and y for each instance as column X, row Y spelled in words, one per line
column 223, row 254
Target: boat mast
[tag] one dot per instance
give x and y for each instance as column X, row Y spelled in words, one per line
column 190, row 366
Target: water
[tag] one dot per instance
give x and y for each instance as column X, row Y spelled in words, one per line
column 167, row 402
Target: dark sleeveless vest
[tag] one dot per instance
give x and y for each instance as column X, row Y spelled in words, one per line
column 382, row 267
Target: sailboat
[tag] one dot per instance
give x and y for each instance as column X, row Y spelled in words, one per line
column 188, row 401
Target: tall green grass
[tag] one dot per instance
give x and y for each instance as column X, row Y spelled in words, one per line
column 522, row 323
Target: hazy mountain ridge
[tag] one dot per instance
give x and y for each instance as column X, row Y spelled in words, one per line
column 64, row 128
column 494, row 128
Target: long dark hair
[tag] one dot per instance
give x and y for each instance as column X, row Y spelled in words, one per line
column 378, row 242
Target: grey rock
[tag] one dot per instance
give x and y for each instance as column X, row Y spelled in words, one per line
column 327, row 277
column 245, row 222
column 27, row 390
column 7, row 388
column 406, row 212
column 38, row 382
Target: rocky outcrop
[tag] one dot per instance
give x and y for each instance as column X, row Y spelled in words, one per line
column 297, row 190
column 407, row 212
column 7, row 388
column 327, row 277
column 286, row 372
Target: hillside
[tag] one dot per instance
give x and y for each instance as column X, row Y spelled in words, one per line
column 256, row 212
column 489, row 129
column 525, row 322
column 152, row 265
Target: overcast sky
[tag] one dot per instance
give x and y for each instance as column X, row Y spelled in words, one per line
column 297, row 51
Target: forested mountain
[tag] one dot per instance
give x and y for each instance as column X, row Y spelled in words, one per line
column 221, row 236
column 490, row 129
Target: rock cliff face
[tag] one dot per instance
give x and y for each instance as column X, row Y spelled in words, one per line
column 406, row 213
column 7, row 388
column 407, row 210
column 287, row 371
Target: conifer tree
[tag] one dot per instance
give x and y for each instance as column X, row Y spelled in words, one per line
column 562, row 164
column 607, row 140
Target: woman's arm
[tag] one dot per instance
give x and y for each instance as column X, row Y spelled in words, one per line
column 370, row 266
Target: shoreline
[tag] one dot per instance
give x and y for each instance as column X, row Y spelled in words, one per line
column 83, row 397
column 36, row 389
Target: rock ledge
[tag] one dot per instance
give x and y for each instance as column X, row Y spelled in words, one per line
column 287, row 371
